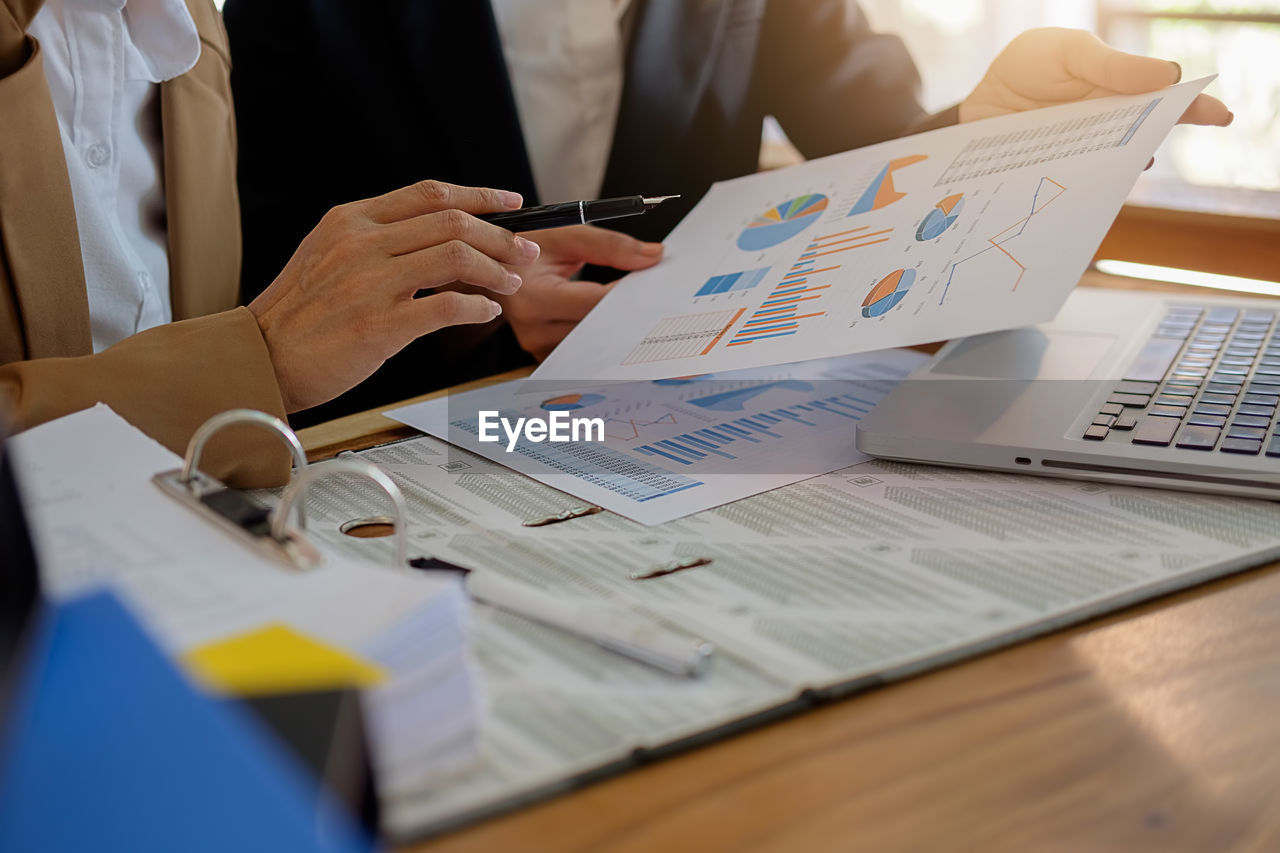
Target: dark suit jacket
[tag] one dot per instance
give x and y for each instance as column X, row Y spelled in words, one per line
column 343, row 99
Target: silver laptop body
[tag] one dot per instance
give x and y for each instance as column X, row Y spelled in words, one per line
column 1139, row 388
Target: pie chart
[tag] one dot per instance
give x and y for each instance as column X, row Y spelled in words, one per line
column 781, row 223
column 888, row 292
column 570, row 402
column 943, row 216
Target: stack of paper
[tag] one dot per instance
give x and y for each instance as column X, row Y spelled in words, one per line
column 814, row 590
column 241, row 622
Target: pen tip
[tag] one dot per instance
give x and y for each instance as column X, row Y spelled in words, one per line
column 652, row 200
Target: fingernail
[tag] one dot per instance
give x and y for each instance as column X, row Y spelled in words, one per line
column 510, row 199
column 1230, row 118
column 528, row 248
column 514, row 280
column 1177, row 71
column 494, row 308
column 650, row 248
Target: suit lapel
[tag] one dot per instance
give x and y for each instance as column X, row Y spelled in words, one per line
column 478, row 120
column 201, row 203
column 38, row 222
column 670, row 64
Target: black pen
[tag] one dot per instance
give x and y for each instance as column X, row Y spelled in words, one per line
column 573, row 212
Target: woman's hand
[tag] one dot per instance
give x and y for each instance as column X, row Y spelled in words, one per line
column 1045, row 67
column 551, row 302
column 344, row 303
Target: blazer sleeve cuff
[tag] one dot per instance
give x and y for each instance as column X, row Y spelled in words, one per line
column 946, row 118
column 167, row 381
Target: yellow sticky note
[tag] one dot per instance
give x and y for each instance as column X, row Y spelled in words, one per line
column 278, row 659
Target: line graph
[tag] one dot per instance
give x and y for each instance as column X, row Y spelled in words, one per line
column 632, row 426
column 1047, row 192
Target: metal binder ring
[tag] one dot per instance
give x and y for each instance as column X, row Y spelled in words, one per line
column 304, row 478
column 195, row 447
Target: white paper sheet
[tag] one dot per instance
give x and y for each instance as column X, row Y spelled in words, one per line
column 676, row 447
column 860, row 576
column 968, row 229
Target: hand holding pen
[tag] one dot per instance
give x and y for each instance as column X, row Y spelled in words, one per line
column 573, row 212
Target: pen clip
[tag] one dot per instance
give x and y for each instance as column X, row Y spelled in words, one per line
column 571, row 513
column 671, row 568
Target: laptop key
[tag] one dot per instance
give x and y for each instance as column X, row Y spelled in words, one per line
column 1258, row 400
column 1253, row 433
column 1136, row 401
column 1167, row 411
column 1260, row 411
column 1154, row 360
column 1147, row 388
column 1218, row 399
column 1157, row 431
column 1096, row 433
column 1175, row 390
column 1172, row 400
column 1211, row 409
column 1273, row 449
column 1125, row 422
column 1247, row 446
column 1104, row 420
column 1207, row 420
column 1219, row 388
column 1251, row 421
column 1112, row 409
column 1199, row 437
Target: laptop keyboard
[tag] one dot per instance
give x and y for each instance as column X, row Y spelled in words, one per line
column 1207, row 380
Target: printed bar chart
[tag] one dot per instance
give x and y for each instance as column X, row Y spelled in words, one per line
column 684, row 336
column 732, row 282
column 759, row 428
column 785, row 307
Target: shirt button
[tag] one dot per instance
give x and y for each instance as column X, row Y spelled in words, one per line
column 98, row 154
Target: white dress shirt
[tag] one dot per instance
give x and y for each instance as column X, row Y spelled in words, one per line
column 565, row 60
column 103, row 60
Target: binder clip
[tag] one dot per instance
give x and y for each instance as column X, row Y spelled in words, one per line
column 261, row 527
column 567, row 515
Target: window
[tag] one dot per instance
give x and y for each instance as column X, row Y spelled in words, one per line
column 1240, row 41
column 954, row 40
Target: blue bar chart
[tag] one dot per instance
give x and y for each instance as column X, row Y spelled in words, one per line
column 732, row 282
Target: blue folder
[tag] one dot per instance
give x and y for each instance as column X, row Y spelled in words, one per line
column 109, row 748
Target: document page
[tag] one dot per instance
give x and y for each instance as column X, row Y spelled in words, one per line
column 968, row 229
column 673, row 447
column 851, row 579
column 98, row 520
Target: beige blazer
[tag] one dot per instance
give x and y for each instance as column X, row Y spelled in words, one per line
column 167, row 380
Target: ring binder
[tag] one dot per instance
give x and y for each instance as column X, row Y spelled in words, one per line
column 296, row 492
column 261, row 527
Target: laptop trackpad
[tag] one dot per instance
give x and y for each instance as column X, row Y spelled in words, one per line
column 1026, row 354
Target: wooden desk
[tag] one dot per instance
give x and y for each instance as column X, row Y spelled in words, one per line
column 1155, row 729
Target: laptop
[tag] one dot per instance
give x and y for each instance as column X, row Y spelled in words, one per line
column 1122, row 386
